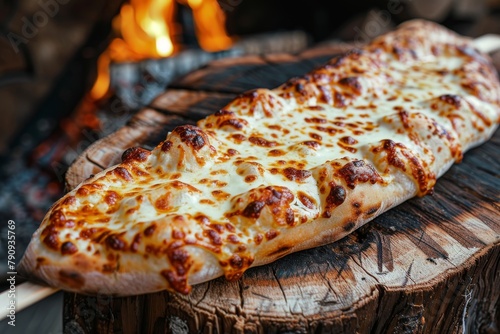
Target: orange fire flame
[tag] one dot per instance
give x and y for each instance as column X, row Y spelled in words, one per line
column 147, row 30
column 209, row 21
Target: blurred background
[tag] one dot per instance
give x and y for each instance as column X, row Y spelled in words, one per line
column 74, row 71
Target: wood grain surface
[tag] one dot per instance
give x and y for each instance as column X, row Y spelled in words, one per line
column 430, row 265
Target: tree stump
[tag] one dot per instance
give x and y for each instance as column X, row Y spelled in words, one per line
column 430, row 265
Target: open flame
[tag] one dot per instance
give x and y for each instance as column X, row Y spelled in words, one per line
column 210, row 25
column 147, row 29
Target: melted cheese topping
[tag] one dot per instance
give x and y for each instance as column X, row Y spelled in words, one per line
column 275, row 159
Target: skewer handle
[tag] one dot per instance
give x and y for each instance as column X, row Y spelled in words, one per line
column 487, row 43
column 26, row 294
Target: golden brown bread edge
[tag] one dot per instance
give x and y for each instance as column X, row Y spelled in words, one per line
column 376, row 199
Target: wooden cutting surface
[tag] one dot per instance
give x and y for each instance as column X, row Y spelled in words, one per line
column 430, row 265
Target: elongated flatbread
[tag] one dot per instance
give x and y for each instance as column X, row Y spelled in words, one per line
column 275, row 171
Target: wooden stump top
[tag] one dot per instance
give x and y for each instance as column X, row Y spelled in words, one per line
column 431, row 264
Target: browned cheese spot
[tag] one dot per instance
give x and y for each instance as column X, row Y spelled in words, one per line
column 352, row 83
column 474, row 87
column 150, row 230
column 177, row 234
column 280, row 251
column 357, row 171
column 163, row 202
column 191, row 135
column 371, row 211
column 295, row 174
column 82, row 191
column 329, row 130
column 214, row 237
column 340, row 101
column 111, row 198
column 277, row 199
column 232, row 152
column 223, row 112
column 218, row 227
column 68, row 248
column 315, row 136
column 100, row 235
column 70, row 200
column 253, row 209
column 453, row 100
column 123, row 174
column 135, row 154
column 271, row 234
column 348, row 140
column 305, row 199
column 58, row 218
column 250, row 178
column 235, row 123
column 349, row 226
column 175, row 176
column 348, row 148
column 51, row 239
column 267, row 102
column 114, row 242
column 202, row 219
column 40, row 260
column 404, row 116
column 238, row 138
column 88, row 233
column 177, row 282
column 398, row 52
column 436, row 50
column 71, row 278
column 220, row 195
column 166, row 146
column 232, row 238
column 337, row 61
column 472, row 54
column 139, row 172
column 389, row 147
column 184, row 186
column 289, row 216
column 299, row 87
column 109, row 268
column 479, row 114
column 424, row 180
column 326, row 94
column 134, row 247
column 312, row 144
column 335, row 197
column 238, row 264
column 275, row 153
column 419, row 173
column 262, row 142
column 181, row 262
column 315, row 120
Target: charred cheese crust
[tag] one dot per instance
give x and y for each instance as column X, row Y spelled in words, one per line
column 275, row 171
